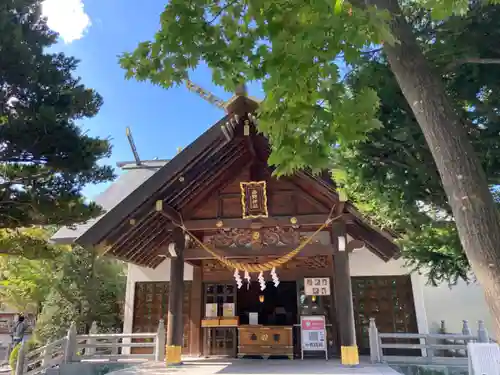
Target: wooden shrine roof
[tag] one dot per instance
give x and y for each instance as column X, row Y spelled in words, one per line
column 132, row 230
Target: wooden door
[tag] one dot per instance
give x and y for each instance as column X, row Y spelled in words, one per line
column 388, row 299
column 220, row 341
column 151, row 305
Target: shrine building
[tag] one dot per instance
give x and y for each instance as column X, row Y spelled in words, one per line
column 239, row 263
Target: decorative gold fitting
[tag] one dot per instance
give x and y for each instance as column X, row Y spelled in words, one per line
column 246, row 128
column 219, row 224
column 159, row 206
column 293, row 220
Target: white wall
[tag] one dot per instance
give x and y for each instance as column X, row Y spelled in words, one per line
column 461, row 302
column 363, row 262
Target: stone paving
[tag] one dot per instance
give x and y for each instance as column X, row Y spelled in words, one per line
column 256, row 367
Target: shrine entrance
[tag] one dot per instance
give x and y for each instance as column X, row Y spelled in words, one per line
column 273, row 306
column 250, row 322
column 267, row 319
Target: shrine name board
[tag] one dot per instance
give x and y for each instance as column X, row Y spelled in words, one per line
column 254, row 199
column 317, row 286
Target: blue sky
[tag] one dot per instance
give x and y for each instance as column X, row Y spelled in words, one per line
column 161, row 120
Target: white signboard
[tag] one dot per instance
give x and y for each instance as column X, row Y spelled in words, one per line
column 317, row 286
column 228, row 310
column 211, row 310
column 313, row 334
column 253, row 318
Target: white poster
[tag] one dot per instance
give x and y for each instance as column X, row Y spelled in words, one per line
column 253, row 319
column 228, row 310
column 313, row 333
column 317, row 286
column 211, row 310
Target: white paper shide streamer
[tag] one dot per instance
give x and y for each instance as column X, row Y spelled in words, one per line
column 262, row 282
column 247, row 278
column 275, row 277
column 237, row 278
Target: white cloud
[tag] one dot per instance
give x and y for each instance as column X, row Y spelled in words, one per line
column 67, row 17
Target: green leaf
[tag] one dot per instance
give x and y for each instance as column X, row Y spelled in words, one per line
column 338, row 6
column 358, row 121
column 339, row 175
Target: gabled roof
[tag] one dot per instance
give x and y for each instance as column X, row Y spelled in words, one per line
column 182, row 184
column 212, row 138
column 126, row 183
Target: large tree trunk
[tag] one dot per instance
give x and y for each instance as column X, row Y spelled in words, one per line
column 464, row 180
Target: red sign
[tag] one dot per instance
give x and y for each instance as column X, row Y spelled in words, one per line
column 313, row 324
column 313, row 333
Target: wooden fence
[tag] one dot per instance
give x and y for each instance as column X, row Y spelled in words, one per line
column 428, row 349
column 92, row 347
column 4, row 352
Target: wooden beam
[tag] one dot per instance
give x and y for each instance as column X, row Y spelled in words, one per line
column 354, row 245
column 382, row 246
column 175, row 326
column 195, row 313
column 282, row 221
column 240, row 252
column 343, row 289
column 168, row 211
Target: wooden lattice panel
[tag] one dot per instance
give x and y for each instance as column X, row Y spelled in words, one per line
column 388, row 299
column 151, row 305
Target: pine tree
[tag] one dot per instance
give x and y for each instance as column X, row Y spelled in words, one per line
column 45, row 158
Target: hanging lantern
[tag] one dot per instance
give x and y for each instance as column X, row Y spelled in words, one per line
column 261, row 298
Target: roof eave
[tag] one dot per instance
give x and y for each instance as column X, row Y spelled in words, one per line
column 96, row 233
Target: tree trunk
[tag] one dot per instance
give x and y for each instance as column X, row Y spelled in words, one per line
column 464, row 180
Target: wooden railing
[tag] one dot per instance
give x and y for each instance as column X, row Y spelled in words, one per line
column 89, row 348
column 428, row 349
column 4, row 353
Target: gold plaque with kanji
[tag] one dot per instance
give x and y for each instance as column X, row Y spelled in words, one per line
column 254, row 199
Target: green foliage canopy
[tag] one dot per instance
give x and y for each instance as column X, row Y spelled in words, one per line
column 298, row 51
column 394, row 169
column 294, row 49
column 73, row 285
column 89, row 288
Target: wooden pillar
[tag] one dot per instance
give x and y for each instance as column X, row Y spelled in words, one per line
column 343, row 296
column 195, row 339
column 175, row 327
